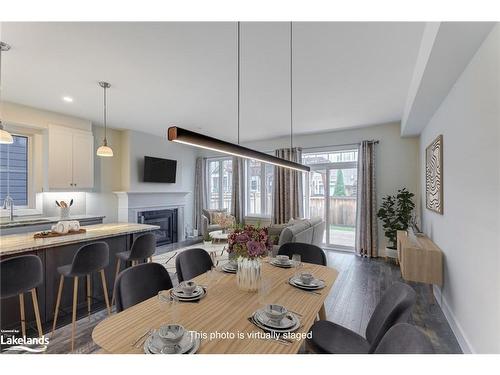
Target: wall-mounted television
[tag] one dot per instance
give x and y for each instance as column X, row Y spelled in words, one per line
column 159, row 170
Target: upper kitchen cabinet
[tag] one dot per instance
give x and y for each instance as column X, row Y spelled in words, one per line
column 70, row 158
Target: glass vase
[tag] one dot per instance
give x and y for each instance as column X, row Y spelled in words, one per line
column 248, row 274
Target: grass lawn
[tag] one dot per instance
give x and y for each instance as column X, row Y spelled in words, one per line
column 342, row 229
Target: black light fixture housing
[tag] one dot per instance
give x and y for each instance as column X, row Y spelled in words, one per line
column 188, row 137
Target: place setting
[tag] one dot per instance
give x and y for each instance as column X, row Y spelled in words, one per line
column 276, row 320
column 284, row 261
column 230, row 267
column 188, row 291
column 172, row 339
column 306, row 282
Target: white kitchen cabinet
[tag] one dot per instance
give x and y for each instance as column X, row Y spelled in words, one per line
column 70, row 158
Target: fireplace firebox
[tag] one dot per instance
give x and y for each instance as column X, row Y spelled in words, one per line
column 166, row 220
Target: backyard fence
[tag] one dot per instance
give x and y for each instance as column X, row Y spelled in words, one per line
column 342, row 210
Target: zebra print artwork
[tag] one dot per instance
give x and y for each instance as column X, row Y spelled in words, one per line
column 434, row 175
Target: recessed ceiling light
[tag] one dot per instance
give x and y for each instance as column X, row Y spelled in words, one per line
column 67, row 99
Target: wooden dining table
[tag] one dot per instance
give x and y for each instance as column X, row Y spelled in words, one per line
column 221, row 317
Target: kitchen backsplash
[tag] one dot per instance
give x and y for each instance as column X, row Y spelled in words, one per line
column 49, row 207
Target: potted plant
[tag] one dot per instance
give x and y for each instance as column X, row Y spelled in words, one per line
column 249, row 244
column 207, row 240
column 396, row 214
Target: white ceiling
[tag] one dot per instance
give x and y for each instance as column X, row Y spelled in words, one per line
column 345, row 74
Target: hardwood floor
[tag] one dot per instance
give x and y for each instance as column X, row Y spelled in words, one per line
column 356, row 292
column 358, row 289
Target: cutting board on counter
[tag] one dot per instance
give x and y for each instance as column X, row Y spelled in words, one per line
column 55, row 234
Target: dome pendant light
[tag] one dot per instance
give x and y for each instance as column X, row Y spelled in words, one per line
column 5, row 136
column 104, row 150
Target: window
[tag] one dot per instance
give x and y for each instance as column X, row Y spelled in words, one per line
column 330, row 192
column 259, row 188
column 14, row 170
column 220, row 180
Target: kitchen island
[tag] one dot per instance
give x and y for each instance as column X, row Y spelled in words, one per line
column 58, row 251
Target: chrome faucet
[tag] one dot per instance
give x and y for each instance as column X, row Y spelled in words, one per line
column 8, row 202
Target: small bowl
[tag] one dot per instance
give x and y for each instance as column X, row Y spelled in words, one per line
column 276, row 313
column 188, row 287
column 171, row 334
column 306, row 277
column 283, row 259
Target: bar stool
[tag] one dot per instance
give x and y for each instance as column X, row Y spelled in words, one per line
column 142, row 248
column 19, row 275
column 93, row 257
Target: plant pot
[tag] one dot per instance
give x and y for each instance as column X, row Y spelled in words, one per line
column 206, row 243
column 248, row 274
column 391, row 252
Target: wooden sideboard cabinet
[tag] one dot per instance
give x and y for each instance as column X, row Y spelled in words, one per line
column 420, row 259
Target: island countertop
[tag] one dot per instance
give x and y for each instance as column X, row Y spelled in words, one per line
column 23, row 242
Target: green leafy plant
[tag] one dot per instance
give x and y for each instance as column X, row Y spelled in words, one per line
column 339, row 186
column 206, row 237
column 396, row 213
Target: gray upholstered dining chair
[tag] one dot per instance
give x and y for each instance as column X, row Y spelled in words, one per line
column 138, row 283
column 89, row 258
column 19, row 275
column 143, row 248
column 394, row 307
column 309, row 253
column 404, row 338
column 191, row 263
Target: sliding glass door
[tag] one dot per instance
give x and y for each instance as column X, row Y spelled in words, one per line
column 330, row 193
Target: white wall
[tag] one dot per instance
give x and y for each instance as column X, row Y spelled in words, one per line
column 142, row 144
column 468, row 231
column 397, row 158
column 39, row 118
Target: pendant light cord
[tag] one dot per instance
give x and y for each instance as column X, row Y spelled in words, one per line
column 238, row 73
column 105, row 125
column 291, row 87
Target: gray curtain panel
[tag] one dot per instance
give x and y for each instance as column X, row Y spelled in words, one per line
column 287, row 188
column 238, row 190
column 366, row 220
column 200, row 192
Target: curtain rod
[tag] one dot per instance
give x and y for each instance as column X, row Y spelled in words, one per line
column 376, row 141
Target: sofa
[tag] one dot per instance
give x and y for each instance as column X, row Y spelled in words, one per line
column 207, row 221
column 309, row 231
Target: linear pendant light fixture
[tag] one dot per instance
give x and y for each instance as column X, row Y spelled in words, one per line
column 105, row 150
column 188, row 137
column 5, row 136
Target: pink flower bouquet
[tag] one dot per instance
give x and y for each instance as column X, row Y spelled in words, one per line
column 249, row 242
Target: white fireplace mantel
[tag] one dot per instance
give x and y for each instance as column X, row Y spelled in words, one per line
column 130, row 203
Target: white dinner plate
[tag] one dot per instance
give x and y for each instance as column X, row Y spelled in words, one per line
column 227, row 268
column 313, row 285
column 281, row 265
column 288, row 321
column 190, row 298
column 196, row 293
column 189, row 344
column 274, row 330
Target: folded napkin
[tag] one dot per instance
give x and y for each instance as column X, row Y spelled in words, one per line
column 61, row 227
column 74, row 225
